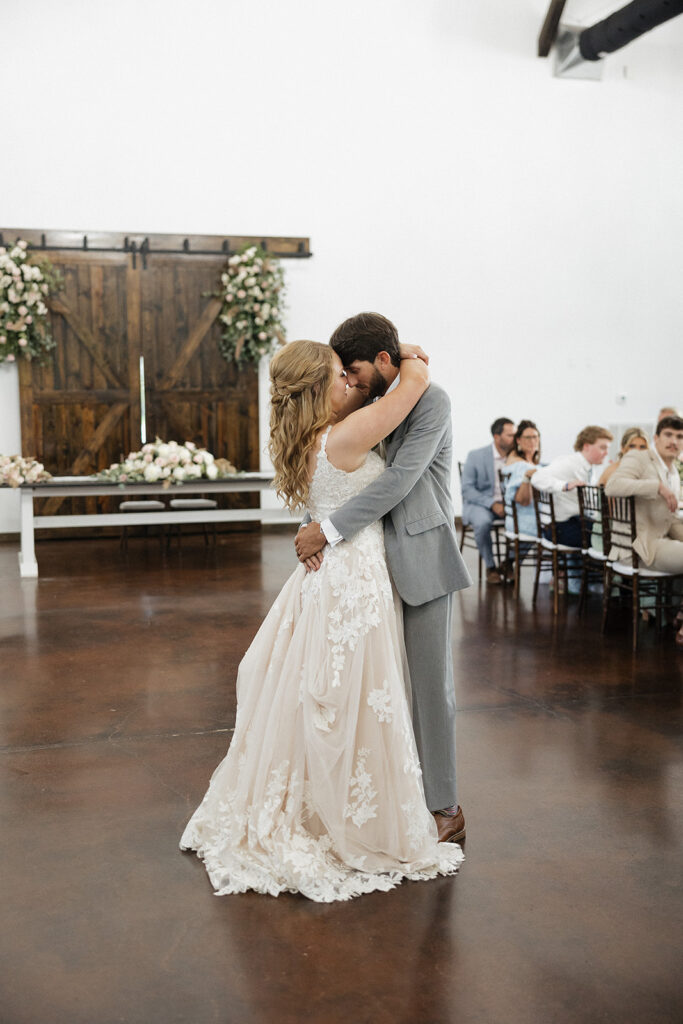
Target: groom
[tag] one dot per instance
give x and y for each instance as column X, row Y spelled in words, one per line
column 413, row 494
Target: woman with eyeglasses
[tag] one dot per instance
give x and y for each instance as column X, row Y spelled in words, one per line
column 522, row 463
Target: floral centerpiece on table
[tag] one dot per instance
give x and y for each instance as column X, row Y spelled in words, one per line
column 24, row 317
column 167, row 462
column 252, row 290
column 16, row 470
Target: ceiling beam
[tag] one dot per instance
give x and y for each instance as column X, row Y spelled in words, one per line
column 550, row 25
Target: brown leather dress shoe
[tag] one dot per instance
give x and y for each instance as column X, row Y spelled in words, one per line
column 493, row 576
column 451, row 826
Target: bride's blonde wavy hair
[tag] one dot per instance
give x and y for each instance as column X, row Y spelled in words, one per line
column 301, row 376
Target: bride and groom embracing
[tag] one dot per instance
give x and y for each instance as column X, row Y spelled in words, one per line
column 349, row 677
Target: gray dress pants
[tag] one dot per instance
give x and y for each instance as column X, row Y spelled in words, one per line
column 428, row 630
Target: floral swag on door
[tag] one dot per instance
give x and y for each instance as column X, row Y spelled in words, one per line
column 252, row 291
column 24, row 317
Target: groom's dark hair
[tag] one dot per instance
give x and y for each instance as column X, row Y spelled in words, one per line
column 363, row 336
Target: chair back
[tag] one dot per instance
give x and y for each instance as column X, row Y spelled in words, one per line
column 590, row 512
column 544, row 507
column 509, row 503
column 619, row 530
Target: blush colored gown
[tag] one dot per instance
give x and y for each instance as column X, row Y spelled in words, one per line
column 321, row 790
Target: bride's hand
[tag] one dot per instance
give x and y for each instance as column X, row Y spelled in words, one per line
column 414, row 369
column 412, row 351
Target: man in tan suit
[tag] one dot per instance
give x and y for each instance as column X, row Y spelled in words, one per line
column 652, row 476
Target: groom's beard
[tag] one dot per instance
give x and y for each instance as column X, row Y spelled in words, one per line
column 377, row 386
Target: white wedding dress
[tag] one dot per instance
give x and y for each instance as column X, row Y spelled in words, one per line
column 321, row 790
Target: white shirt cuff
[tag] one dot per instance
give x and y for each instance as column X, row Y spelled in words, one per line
column 332, row 534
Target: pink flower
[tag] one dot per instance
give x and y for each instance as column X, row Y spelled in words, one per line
column 10, row 357
column 23, row 342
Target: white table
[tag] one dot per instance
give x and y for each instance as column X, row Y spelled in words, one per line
column 79, row 486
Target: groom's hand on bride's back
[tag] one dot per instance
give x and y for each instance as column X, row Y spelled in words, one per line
column 309, row 541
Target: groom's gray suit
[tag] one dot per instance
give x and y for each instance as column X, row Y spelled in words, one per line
column 413, row 495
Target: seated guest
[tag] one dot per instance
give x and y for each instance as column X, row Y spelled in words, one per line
column 634, row 439
column 669, row 410
column 522, row 463
column 562, row 476
column 481, row 494
column 653, row 478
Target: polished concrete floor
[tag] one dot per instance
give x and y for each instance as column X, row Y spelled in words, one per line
column 116, row 702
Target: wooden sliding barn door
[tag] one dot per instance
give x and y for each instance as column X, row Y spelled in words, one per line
column 80, row 410
column 192, row 394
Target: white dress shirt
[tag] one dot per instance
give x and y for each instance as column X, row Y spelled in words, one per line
column 670, row 477
column 555, row 477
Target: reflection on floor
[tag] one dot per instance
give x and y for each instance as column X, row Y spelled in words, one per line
column 116, row 703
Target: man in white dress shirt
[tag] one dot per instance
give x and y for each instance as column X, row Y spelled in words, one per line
column 563, row 475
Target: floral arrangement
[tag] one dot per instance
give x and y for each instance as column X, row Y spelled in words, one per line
column 252, row 290
column 16, row 470
column 24, row 319
column 169, row 463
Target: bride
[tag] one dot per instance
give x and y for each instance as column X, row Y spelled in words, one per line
column 321, row 790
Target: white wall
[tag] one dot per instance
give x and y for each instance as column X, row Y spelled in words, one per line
column 525, row 230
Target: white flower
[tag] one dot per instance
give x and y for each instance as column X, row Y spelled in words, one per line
column 212, row 471
column 152, row 472
column 163, row 451
column 179, row 473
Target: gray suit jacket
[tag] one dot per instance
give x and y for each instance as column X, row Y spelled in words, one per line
column 478, row 479
column 413, row 494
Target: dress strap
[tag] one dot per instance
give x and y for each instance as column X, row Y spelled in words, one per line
column 323, row 440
